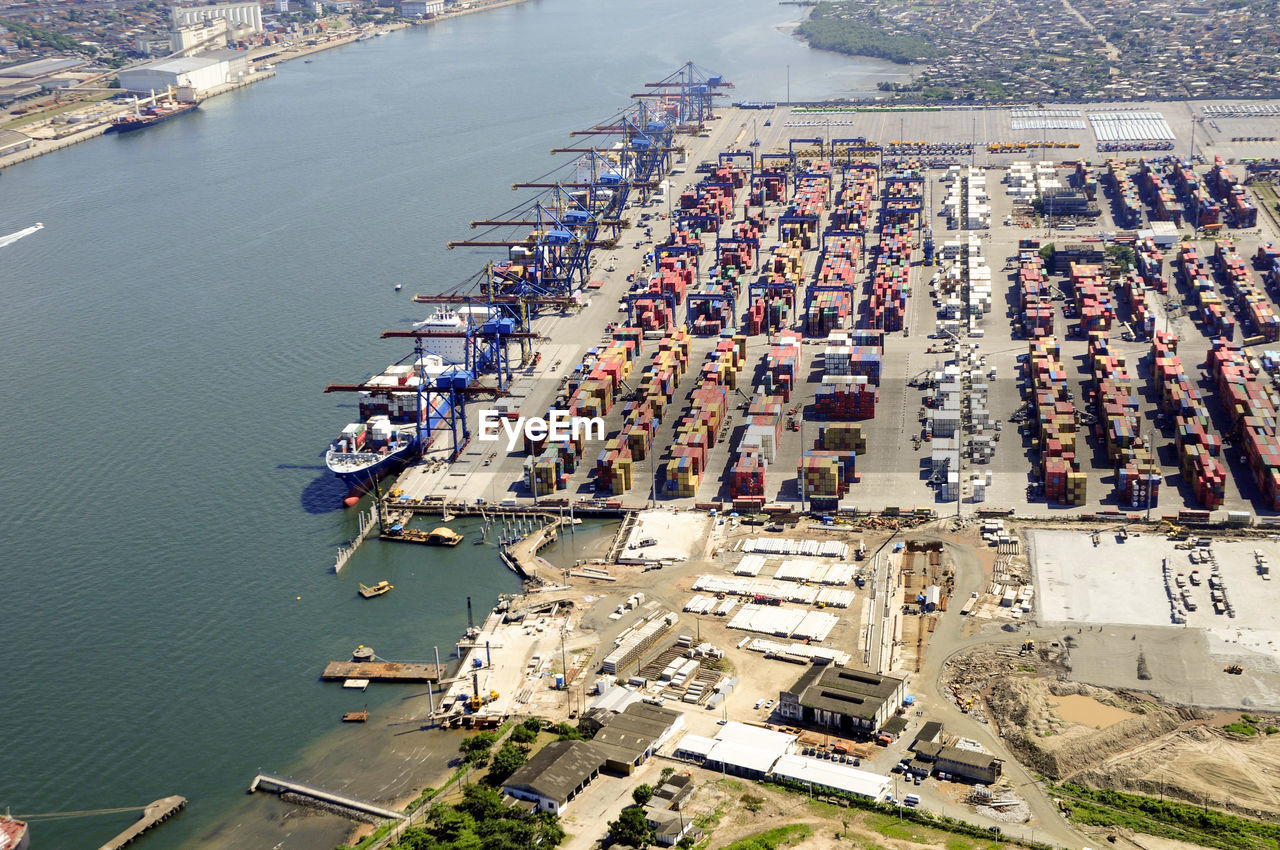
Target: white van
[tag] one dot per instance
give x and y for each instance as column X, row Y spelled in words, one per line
column 912, row 799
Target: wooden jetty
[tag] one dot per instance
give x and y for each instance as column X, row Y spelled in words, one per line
column 155, row 813
column 383, row 671
column 280, row 785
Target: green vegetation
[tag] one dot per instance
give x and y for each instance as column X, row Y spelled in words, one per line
column 527, row 731
column 506, row 761
column 368, row 840
column 642, row 794
column 1121, row 255
column 772, row 839
column 1046, row 253
column 1242, row 728
column 482, row 822
column 830, row 28
column 475, row 749
column 1167, row 819
column 427, row 794
column 631, row 829
column 30, row 36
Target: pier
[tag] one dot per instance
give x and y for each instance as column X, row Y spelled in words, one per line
column 367, row 523
column 155, row 813
column 279, row 785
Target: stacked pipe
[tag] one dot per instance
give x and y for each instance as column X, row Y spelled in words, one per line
column 1252, row 408
column 1198, row 447
column 1064, row 482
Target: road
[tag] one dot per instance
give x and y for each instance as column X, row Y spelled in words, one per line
column 1051, row 826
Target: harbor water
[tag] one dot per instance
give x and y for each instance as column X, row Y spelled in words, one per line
column 168, row 525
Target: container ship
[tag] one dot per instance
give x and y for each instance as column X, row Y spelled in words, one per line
column 395, row 427
column 13, row 834
column 154, row 114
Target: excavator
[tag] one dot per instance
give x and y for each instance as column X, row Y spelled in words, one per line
column 1028, row 646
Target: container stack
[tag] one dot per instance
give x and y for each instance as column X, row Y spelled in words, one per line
column 1035, row 298
column 1240, row 210
column 1213, row 312
column 1201, row 208
column 769, row 186
column 1136, row 292
column 711, row 315
column 1159, row 194
column 1086, row 180
column 1094, row 303
column 1251, row 405
column 852, row 210
column 1197, row 446
column 1128, row 207
column 1255, row 308
column 1150, row 263
column 1064, row 482
column 1115, row 402
column 888, row 280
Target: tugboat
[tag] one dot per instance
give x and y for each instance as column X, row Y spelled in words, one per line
column 377, row 590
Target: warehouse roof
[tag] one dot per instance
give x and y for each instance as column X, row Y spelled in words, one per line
column 844, row 690
column 928, row 733
column 181, row 65
column 557, row 769
column 968, row 758
column 41, row 67
column 828, row 774
column 749, row 747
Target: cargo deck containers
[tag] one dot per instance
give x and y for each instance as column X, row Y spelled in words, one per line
column 1212, row 311
column 1035, row 298
column 1158, row 193
column 1150, row 263
column 1094, row 302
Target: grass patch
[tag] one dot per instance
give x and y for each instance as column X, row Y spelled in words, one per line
column 1167, row 819
column 774, row 838
column 368, row 840
column 1242, row 728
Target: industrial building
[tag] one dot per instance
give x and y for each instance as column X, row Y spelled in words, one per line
column 830, row 776
column 663, row 813
column 737, row 748
column 237, row 15
column 11, row 141
column 966, row 764
column 202, row 73
column 421, row 8
column 842, row 699
column 625, row 740
column 555, row 775
column 206, row 34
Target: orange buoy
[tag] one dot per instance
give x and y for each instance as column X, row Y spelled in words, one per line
column 351, row 501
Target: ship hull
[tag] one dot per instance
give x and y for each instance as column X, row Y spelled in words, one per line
column 131, row 126
column 360, row 477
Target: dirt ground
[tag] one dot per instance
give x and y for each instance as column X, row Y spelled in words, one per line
column 739, row 809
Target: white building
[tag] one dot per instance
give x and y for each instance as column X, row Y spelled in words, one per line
column 201, row 73
column 237, row 15
column 211, row 33
column 421, row 8
column 829, row 776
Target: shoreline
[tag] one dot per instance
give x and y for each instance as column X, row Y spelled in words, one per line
column 42, row 147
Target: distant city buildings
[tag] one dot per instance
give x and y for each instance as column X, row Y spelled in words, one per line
column 237, row 15
column 421, row 8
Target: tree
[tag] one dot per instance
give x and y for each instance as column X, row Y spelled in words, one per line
column 642, row 794
column 484, row 804
column 522, row 734
column 631, row 828
column 475, row 749
column 506, row 762
column 667, row 773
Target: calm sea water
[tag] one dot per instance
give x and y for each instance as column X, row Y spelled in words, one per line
column 166, row 523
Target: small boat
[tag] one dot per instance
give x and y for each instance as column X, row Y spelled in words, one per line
column 444, row 537
column 399, row 286
column 306, row 61
column 356, row 716
column 377, row 590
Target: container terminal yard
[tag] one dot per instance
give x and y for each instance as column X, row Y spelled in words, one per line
column 941, row 462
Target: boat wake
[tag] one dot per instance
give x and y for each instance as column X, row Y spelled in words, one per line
column 6, row 241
